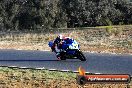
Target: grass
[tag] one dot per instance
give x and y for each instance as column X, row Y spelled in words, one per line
column 38, row 73
column 33, row 78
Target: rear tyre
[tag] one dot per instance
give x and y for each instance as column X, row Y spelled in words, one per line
column 81, row 56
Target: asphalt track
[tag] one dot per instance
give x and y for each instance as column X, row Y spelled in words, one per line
column 96, row 63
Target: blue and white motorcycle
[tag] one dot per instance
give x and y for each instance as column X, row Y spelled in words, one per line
column 70, row 50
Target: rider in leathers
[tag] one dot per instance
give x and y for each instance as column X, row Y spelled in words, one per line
column 57, row 45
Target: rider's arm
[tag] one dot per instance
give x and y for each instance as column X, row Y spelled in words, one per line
column 54, row 43
column 57, row 40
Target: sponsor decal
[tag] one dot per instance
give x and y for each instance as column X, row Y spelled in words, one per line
column 83, row 78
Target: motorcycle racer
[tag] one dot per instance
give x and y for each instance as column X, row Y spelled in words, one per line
column 57, row 45
column 57, row 41
column 66, row 48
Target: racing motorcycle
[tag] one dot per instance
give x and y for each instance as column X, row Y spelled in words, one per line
column 69, row 50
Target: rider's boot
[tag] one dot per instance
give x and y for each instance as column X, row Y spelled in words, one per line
column 58, row 56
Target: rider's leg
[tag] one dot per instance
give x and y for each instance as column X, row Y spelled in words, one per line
column 57, row 52
column 58, row 56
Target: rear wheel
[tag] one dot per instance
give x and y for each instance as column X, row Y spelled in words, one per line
column 81, row 56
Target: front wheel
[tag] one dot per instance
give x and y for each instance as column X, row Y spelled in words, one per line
column 81, row 56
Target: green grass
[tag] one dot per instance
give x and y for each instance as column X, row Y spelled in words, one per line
column 38, row 73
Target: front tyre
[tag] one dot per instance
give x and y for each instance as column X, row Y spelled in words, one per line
column 81, row 56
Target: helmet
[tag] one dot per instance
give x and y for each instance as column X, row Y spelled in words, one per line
column 60, row 36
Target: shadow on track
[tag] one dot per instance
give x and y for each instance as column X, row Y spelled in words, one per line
column 28, row 60
column 44, row 60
